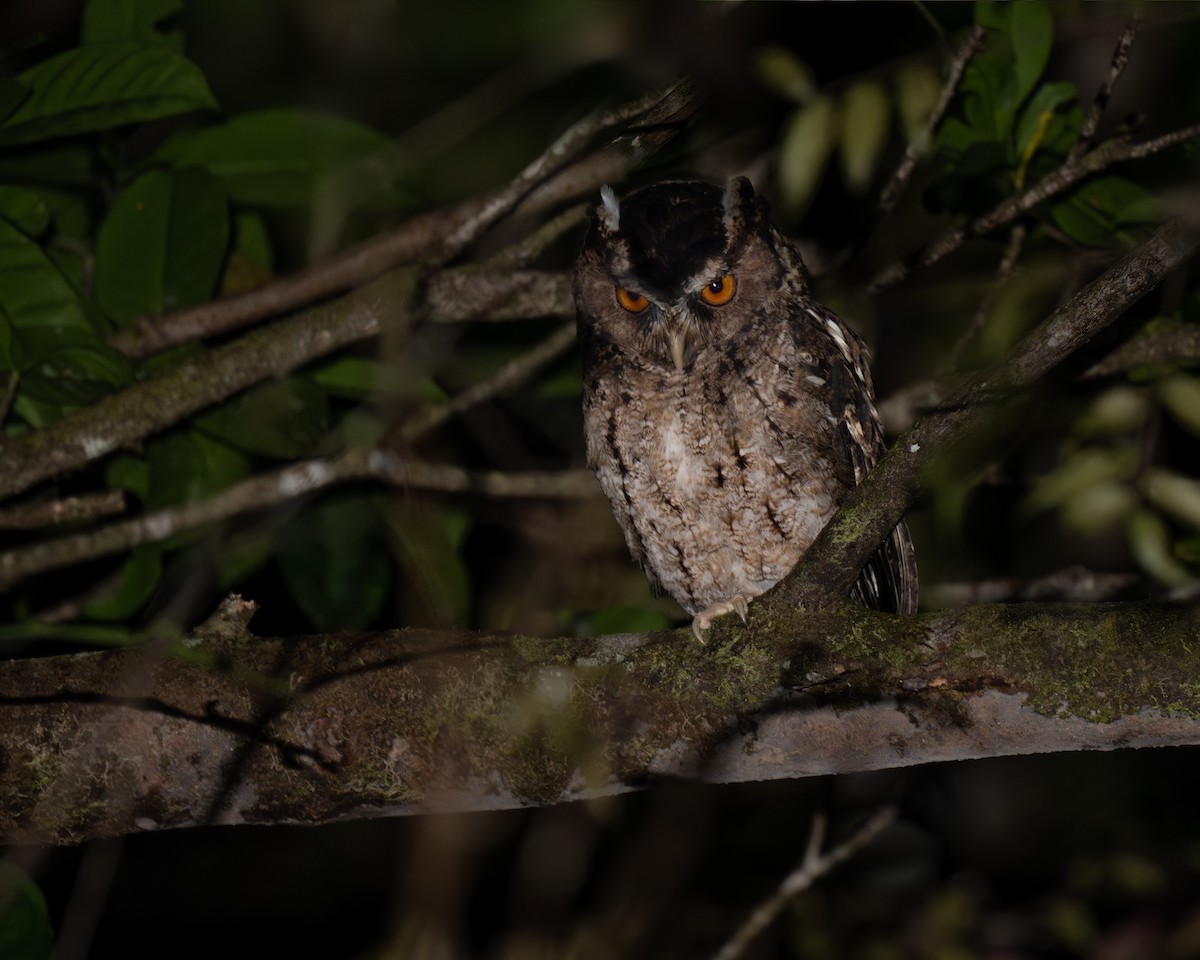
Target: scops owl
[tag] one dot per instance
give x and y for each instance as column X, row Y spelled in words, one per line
column 727, row 413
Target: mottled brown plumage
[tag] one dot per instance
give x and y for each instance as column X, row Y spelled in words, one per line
column 727, row 413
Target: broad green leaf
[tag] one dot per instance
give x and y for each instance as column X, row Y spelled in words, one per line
column 281, row 419
column 1180, row 394
column 161, row 246
column 1048, row 98
column 24, row 209
column 993, row 15
column 272, row 157
column 139, row 579
column 34, row 295
column 12, row 95
column 335, row 562
column 185, row 466
column 1032, row 37
column 866, row 123
column 1116, row 411
column 807, row 143
column 105, row 85
column 108, row 20
column 1099, row 507
column 1082, row 469
column 1174, row 494
column 25, row 931
column 1093, row 213
column 1150, row 541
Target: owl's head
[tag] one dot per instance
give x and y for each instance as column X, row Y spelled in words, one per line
column 679, row 268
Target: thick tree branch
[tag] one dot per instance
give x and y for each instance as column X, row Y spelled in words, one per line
column 876, row 506
column 230, row 728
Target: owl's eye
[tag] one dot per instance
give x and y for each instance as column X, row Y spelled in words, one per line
column 633, row 302
column 720, row 291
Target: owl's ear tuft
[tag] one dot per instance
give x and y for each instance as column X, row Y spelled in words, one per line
column 609, row 211
column 738, row 191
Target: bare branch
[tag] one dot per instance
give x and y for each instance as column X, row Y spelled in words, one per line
column 350, row 736
column 1067, row 175
column 1072, row 585
column 814, row 866
column 898, row 183
column 464, row 295
column 1161, row 348
column 514, row 373
column 1120, row 59
column 49, row 513
column 280, row 486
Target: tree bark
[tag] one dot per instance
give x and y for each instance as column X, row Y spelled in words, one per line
column 225, row 727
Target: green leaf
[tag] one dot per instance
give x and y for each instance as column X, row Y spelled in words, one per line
column 336, row 564
column 185, row 466
column 272, row 157
column 161, row 246
column 12, row 95
column 1150, row 541
column 25, row 931
column 807, row 142
column 1032, row 37
column 67, row 165
column 1174, row 494
column 866, row 123
column 25, row 209
column 426, row 539
column 129, row 473
column 105, row 85
column 917, row 89
column 1048, row 98
column 108, row 20
column 1092, row 214
column 1180, row 394
column 355, row 378
column 139, row 579
column 35, row 296
column 249, row 263
column 781, row 71
column 281, row 419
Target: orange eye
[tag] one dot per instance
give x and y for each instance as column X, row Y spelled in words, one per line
column 720, row 291
column 633, row 302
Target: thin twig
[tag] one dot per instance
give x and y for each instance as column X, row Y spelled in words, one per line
column 1120, row 60
column 1178, row 345
column 814, row 866
column 281, row 486
column 1067, row 175
column 514, row 373
column 899, row 180
column 47, row 513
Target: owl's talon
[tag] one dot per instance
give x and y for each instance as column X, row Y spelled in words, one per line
column 704, row 619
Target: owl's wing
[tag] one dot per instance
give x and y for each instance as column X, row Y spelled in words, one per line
column 889, row 580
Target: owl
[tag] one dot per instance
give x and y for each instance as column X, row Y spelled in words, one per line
column 727, row 413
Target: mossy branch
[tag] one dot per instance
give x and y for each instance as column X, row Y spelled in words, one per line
column 229, row 728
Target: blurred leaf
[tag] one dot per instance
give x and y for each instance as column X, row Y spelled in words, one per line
column 336, row 564
column 104, row 85
column 1150, row 542
column 68, row 165
column 242, row 555
column 807, row 142
column 107, row 20
column 12, row 95
column 1079, row 471
column 280, row 418
column 354, row 378
column 129, row 473
column 24, row 209
column 1116, row 411
column 139, row 579
column 1181, row 395
column 249, row 264
column 866, row 123
column 918, row 87
column 566, row 383
column 625, row 620
column 185, row 466
column 1032, row 37
column 1174, row 494
column 993, row 15
column 426, row 538
column 272, row 157
column 784, row 73
column 161, row 246
column 25, row 931
column 1099, row 507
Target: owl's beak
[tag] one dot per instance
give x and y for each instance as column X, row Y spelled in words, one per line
column 678, row 344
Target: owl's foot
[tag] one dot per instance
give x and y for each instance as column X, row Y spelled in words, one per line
column 703, row 620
